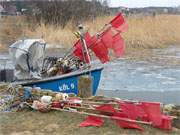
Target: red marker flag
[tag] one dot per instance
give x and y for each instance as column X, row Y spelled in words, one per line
column 78, row 48
column 92, row 121
column 107, row 38
column 87, row 38
column 166, row 123
column 128, row 125
column 78, row 51
column 153, row 111
column 118, row 45
column 123, row 28
column 133, row 111
column 119, row 23
column 100, row 51
column 106, row 109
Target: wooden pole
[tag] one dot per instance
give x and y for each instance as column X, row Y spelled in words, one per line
column 91, row 108
column 100, row 103
column 84, row 45
column 104, row 116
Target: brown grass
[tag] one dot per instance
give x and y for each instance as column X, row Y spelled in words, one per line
column 10, row 29
column 64, row 123
column 153, row 32
column 144, row 32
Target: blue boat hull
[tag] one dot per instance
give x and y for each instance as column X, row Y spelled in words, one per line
column 67, row 83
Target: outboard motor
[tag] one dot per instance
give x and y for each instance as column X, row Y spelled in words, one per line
column 6, row 75
column 6, row 71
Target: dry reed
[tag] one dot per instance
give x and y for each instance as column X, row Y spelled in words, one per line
column 144, row 31
column 153, row 32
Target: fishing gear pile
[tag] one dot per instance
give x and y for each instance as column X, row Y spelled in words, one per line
column 125, row 113
column 100, row 44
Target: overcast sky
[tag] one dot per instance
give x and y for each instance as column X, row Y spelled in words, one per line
column 144, row 3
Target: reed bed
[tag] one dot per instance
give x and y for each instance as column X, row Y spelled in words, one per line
column 145, row 32
column 153, row 32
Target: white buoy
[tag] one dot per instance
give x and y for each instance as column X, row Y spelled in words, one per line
column 46, row 99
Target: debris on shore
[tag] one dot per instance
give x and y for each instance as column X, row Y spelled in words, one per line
column 173, row 110
column 125, row 113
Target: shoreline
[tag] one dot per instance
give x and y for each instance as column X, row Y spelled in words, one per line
column 165, row 97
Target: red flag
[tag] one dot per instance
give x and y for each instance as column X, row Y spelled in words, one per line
column 73, row 101
column 166, row 123
column 118, row 45
column 107, row 38
column 78, row 48
column 128, row 125
column 93, row 41
column 125, row 124
column 87, row 38
column 106, row 109
column 117, row 21
column 78, row 51
column 133, row 111
column 100, row 51
column 92, row 121
column 120, row 114
column 153, row 112
column 123, row 28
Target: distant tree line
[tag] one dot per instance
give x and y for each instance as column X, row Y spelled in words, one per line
column 59, row 12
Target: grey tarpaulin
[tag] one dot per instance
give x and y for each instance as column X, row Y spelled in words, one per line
column 27, row 56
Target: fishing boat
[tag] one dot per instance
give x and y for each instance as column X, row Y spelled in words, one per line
column 62, row 74
column 28, row 58
column 67, row 83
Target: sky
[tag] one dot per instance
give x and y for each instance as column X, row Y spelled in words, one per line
column 144, row 3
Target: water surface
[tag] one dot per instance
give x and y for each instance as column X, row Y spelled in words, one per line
column 155, row 80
